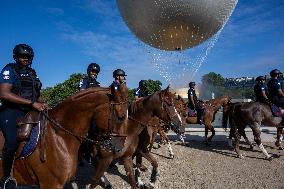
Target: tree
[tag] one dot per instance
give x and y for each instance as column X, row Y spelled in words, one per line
column 151, row 86
column 54, row 95
column 212, row 83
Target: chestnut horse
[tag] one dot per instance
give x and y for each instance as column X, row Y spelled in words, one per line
column 67, row 126
column 159, row 104
column 211, row 108
column 252, row 114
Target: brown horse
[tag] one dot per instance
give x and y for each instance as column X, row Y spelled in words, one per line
column 252, row 114
column 159, row 104
column 211, row 108
column 68, row 124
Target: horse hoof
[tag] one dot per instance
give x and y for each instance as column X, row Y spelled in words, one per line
column 172, row 156
column 269, row 158
column 241, row 156
column 109, row 187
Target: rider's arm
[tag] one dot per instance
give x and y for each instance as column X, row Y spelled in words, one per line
column 264, row 95
column 281, row 93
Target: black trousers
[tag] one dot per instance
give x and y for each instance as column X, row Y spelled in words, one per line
column 8, row 117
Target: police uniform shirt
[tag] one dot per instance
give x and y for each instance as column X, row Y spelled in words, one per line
column 86, row 83
column 273, row 86
column 23, row 79
column 258, row 89
column 8, row 75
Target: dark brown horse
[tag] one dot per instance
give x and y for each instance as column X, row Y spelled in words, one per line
column 159, row 104
column 252, row 114
column 67, row 127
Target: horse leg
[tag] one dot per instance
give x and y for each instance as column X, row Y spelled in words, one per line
column 257, row 139
column 170, row 150
column 206, row 135
column 101, row 165
column 212, row 135
column 243, row 134
column 139, row 164
column 230, row 139
column 128, row 166
column 278, row 142
column 154, row 164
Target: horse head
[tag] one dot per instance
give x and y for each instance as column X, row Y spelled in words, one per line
column 120, row 102
column 168, row 111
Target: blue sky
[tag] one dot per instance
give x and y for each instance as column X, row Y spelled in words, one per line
column 67, row 35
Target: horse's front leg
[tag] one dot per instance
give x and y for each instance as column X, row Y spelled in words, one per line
column 213, row 133
column 257, row 139
column 128, row 166
column 279, row 134
column 101, row 166
column 154, row 164
column 206, row 135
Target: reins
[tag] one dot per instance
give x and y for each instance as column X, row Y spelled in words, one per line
column 55, row 123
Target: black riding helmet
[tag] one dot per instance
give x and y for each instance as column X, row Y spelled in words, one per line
column 260, row 78
column 93, row 67
column 23, row 50
column 275, row 72
column 118, row 72
column 191, row 84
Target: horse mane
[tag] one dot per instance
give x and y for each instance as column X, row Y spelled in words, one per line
column 138, row 105
column 89, row 91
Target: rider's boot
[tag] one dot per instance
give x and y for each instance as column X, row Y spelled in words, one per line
column 7, row 181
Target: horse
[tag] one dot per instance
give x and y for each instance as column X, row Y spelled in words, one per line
column 66, row 127
column 159, row 104
column 211, row 108
column 252, row 114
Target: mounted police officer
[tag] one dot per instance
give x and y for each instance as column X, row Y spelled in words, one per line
column 261, row 91
column 19, row 92
column 91, row 80
column 119, row 78
column 276, row 94
column 194, row 104
column 140, row 91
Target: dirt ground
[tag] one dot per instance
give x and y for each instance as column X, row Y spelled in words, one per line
column 199, row 166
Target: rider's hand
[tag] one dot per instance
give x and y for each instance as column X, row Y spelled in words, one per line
column 39, row 106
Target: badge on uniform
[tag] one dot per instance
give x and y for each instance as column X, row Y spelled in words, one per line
column 6, row 74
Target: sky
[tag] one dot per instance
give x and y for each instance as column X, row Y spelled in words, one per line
column 67, row 35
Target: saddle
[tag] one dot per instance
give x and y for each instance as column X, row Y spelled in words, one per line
column 25, row 125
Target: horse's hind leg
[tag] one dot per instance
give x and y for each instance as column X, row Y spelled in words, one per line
column 278, row 142
column 243, row 134
column 257, row 139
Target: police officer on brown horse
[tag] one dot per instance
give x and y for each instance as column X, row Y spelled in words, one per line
column 276, row 94
column 91, row 80
column 20, row 93
column 194, row 104
column 261, row 91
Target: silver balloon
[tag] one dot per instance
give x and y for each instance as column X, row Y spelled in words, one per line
column 175, row 24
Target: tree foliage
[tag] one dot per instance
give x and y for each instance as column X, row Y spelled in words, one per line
column 214, row 83
column 151, row 86
column 54, row 95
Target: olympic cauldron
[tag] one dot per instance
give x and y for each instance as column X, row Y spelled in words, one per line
column 175, row 24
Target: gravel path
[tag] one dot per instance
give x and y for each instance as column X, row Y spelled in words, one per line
column 198, row 166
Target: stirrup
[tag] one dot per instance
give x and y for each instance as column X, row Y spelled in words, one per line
column 10, row 178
